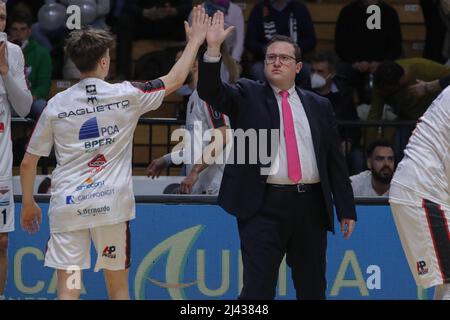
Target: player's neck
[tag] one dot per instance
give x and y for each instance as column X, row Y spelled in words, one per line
column 95, row 74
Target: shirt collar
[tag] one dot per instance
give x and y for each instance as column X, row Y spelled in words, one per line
column 277, row 90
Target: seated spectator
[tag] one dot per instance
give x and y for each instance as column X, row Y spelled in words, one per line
column 38, row 64
column 409, row 86
column 284, row 17
column 376, row 181
column 336, row 88
column 148, row 19
column 363, row 49
column 394, row 81
column 233, row 17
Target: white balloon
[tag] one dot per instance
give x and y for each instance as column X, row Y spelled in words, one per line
column 52, row 16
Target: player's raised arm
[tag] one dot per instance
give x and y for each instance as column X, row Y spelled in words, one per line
column 195, row 34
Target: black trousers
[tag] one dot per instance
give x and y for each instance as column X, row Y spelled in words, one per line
column 288, row 223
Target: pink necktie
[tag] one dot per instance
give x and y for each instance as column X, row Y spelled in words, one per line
column 293, row 160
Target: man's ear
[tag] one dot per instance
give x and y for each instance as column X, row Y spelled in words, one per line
column 369, row 165
column 298, row 67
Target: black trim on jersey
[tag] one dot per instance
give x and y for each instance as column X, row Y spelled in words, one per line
column 217, row 118
column 440, row 235
column 149, row 86
column 127, row 247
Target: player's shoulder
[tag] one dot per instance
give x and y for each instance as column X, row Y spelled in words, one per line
column 14, row 48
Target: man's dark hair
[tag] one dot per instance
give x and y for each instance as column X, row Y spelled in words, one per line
column 87, row 46
column 280, row 38
column 20, row 16
column 378, row 143
column 326, row 56
column 388, row 75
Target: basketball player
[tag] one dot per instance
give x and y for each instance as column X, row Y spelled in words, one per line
column 420, row 199
column 91, row 126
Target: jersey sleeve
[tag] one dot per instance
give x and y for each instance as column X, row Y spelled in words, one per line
column 150, row 94
column 41, row 141
column 217, row 118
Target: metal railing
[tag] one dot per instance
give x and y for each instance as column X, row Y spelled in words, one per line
column 173, row 123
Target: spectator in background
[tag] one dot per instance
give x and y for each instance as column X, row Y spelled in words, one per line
column 408, row 86
column 376, row 181
column 362, row 49
column 435, row 30
column 283, row 17
column 444, row 11
column 327, row 83
column 38, row 64
column 233, row 17
column 32, row 7
column 148, row 19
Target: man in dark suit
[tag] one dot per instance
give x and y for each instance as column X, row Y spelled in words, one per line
column 285, row 206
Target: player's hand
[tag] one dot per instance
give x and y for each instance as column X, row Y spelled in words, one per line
column 216, row 33
column 188, row 182
column 200, row 23
column 4, row 68
column 155, row 167
column 347, row 226
column 419, row 89
column 30, row 217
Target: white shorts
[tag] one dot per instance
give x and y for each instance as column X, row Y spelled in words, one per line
column 6, row 206
column 425, row 237
column 69, row 250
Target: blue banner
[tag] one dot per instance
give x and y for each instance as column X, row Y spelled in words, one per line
column 192, row 252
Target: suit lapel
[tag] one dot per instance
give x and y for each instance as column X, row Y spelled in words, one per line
column 313, row 118
column 272, row 107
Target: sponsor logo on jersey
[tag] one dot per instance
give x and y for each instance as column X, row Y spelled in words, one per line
column 5, row 203
column 90, row 184
column 93, row 195
column 421, row 267
column 95, row 109
column 91, row 130
column 98, row 161
column 92, row 100
column 70, row 200
column 93, row 211
column 2, row 127
column 4, row 190
column 109, row 252
column 91, row 89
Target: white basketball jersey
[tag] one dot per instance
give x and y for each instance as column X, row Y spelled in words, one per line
column 91, row 126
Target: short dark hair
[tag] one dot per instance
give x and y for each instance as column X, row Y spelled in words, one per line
column 378, row 143
column 87, row 46
column 326, row 56
column 388, row 74
column 20, row 16
column 280, row 38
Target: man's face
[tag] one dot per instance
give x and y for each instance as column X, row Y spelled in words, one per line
column 381, row 164
column 280, row 66
column 2, row 17
column 322, row 69
column 19, row 32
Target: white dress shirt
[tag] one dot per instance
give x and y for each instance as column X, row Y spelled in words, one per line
column 279, row 169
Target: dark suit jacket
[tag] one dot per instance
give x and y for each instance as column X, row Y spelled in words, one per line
column 252, row 105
